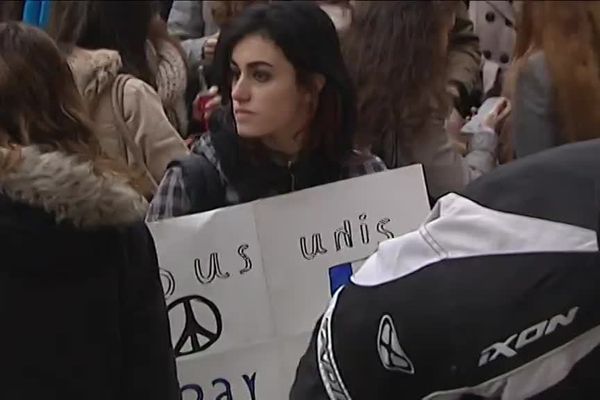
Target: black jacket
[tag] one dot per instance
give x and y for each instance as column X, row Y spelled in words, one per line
column 223, row 171
column 495, row 296
column 81, row 304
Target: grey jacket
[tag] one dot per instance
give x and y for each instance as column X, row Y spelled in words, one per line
column 535, row 124
column 192, row 23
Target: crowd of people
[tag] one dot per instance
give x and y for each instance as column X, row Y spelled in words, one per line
column 116, row 114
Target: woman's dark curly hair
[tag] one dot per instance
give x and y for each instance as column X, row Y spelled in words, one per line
column 396, row 56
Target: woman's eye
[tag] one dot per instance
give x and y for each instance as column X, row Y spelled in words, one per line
column 235, row 75
column 261, row 76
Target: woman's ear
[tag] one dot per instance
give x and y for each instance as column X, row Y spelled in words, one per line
column 312, row 90
column 319, row 81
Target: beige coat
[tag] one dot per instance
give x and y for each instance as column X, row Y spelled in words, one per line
column 151, row 137
column 445, row 169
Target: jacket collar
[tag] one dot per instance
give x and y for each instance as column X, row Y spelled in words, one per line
column 254, row 179
column 69, row 189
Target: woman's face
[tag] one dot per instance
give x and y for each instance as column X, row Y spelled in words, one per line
column 268, row 103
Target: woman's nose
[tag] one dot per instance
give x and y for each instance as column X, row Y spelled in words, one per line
column 240, row 91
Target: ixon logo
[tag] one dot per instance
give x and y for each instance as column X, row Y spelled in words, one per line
column 526, row 337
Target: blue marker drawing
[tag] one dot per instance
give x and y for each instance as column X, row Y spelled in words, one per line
column 339, row 276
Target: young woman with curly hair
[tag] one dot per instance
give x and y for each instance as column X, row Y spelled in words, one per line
column 397, row 54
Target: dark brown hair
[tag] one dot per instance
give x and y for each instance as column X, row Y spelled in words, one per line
column 11, row 10
column 39, row 101
column 568, row 32
column 395, row 55
column 308, row 39
column 159, row 32
column 123, row 26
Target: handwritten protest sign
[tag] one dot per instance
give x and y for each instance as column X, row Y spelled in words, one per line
column 245, row 285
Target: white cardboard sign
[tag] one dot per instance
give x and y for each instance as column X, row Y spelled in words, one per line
column 245, row 285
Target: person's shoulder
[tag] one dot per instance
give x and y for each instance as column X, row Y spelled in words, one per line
column 536, row 67
column 139, row 100
column 201, row 162
column 204, row 147
column 534, row 82
column 201, row 175
column 134, row 87
column 94, row 71
column 536, row 57
column 361, row 162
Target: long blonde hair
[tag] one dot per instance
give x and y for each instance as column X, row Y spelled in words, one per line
column 568, row 33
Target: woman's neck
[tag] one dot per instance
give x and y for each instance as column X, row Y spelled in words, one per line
column 286, row 148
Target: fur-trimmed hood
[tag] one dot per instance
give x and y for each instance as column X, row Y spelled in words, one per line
column 94, row 70
column 68, row 189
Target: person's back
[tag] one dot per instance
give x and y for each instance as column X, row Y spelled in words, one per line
column 110, row 64
column 494, row 296
column 82, row 304
column 555, row 81
column 397, row 55
column 133, row 126
column 535, row 119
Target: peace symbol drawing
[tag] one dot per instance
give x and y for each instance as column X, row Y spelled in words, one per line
column 168, row 282
column 203, row 324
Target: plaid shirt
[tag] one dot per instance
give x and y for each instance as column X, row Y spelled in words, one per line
column 172, row 199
